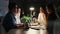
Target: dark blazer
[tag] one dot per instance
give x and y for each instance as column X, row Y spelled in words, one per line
column 9, row 21
column 50, row 22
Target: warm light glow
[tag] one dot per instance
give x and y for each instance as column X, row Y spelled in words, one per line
column 31, row 8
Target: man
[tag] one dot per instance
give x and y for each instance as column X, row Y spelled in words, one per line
column 12, row 18
column 51, row 18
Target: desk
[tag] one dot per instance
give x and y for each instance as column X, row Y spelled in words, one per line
column 21, row 31
column 31, row 30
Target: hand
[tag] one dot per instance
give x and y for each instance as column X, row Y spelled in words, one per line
column 20, row 25
column 17, row 25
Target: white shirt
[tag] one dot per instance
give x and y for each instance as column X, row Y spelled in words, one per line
column 41, row 20
column 17, row 19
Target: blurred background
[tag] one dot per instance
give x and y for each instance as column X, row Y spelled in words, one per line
column 26, row 4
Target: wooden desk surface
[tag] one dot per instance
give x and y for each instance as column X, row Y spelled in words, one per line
column 21, row 31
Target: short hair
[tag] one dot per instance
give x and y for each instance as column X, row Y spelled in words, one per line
column 13, row 5
column 50, row 6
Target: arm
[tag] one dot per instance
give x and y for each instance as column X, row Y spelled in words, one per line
column 45, row 20
column 7, row 23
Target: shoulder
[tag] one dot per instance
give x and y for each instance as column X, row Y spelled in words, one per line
column 39, row 14
column 8, row 16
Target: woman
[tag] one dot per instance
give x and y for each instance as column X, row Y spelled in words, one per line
column 42, row 20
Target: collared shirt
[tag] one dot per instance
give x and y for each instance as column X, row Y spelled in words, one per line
column 17, row 19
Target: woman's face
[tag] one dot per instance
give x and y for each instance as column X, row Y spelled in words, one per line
column 41, row 9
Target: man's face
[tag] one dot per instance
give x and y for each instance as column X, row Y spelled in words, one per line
column 34, row 19
column 17, row 11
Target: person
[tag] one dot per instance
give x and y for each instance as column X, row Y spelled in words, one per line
column 12, row 18
column 43, row 21
column 42, row 17
column 35, row 21
column 51, row 17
